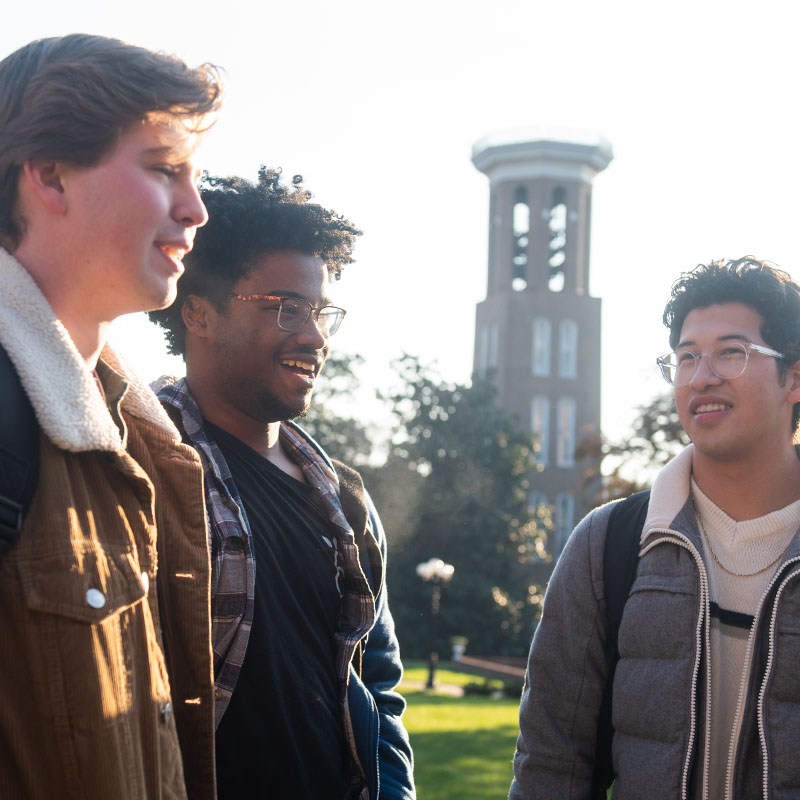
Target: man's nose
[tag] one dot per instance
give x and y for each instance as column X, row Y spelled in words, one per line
column 314, row 332
column 703, row 374
column 188, row 208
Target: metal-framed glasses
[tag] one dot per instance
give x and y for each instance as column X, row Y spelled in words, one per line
column 726, row 361
column 294, row 312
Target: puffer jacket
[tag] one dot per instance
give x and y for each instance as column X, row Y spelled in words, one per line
column 661, row 687
column 106, row 687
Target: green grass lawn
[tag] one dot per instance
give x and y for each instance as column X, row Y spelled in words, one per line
column 448, row 673
column 463, row 746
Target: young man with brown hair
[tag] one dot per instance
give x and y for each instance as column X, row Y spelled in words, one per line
column 106, row 687
column 706, row 693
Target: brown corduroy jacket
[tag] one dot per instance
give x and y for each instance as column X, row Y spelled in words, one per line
column 106, row 680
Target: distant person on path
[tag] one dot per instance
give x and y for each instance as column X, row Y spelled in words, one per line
column 106, row 685
column 305, row 654
column 706, row 696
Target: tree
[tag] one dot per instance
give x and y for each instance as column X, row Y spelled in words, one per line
column 342, row 436
column 458, row 480
column 454, row 486
column 631, row 463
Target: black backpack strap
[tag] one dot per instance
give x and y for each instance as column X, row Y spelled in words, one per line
column 19, row 454
column 620, row 559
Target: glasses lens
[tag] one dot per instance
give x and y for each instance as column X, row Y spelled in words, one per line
column 669, row 368
column 293, row 314
column 728, row 360
column 684, row 365
column 330, row 318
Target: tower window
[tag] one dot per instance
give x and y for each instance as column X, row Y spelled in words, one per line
column 483, row 350
column 557, row 222
column 488, row 347
column 541, row 346
column 521, row 226
column 494, row 335
column 564, row 520
column 535, row 500
column 568, row 348
column 565, row 420
column 540, row 425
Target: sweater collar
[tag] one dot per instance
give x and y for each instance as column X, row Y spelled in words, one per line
column 68, row 405
column 670, row 493
column 671, row 509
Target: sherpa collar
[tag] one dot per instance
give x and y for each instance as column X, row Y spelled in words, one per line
column 62, row 390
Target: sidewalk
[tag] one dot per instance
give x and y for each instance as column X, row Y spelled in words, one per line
column 442, row 688
column 494, row 668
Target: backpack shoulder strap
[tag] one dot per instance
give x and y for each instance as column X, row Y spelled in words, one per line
column 620, row 558
column 19, row 454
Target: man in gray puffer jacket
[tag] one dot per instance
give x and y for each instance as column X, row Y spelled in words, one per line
column 706, row 696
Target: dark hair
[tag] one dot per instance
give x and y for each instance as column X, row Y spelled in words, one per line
column 245, row 221
column 754, row 283
column 69, row 98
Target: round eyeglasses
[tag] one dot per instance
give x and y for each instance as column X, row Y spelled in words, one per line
column 294, row 312
column 726, row 361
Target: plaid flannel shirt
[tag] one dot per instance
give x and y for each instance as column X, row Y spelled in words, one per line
column 232, row 563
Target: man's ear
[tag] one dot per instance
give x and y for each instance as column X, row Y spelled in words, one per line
column 198, row 315
column 44, row 181
column 792, row 383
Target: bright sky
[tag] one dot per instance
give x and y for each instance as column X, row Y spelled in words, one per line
column 378, row 106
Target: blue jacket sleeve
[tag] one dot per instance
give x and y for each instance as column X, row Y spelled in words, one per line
column 381, row 671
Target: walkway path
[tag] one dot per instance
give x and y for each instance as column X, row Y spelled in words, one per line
column 443, row 688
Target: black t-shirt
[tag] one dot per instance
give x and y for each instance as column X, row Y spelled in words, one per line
column 282, row 734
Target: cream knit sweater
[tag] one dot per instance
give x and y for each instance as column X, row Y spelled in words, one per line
column 741, row 559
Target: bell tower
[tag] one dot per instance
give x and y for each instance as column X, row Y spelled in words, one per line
column 537, row 333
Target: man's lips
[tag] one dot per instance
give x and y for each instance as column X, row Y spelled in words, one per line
column 174, row 251
column 305, row 366
column 709, row 405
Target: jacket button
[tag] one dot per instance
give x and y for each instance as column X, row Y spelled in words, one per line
column 166, row 712
column 217, row 693
column 145, row 582
column 95, row 598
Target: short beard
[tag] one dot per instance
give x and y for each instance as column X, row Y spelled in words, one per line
column 267, row 408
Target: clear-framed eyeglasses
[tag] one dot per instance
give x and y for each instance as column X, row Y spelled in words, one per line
column 726, row 361
column 294, row 312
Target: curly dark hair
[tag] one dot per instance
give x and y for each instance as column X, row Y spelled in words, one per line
column 245, row 221
column 757, row 284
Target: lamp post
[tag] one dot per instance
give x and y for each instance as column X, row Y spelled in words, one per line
column 438, row 574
